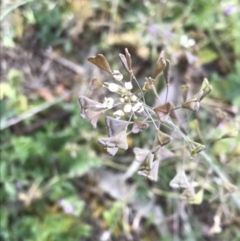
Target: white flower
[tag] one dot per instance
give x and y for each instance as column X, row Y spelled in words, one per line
column 133, row 98
column 138, row 107
column 127, row 108
column 117, row 75
column 118, row 114
column 113, row 87
column 186, row 42
column 108, row 103
column 128, row 85
column 122, row 100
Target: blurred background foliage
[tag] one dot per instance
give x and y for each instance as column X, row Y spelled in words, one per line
column 50, row 157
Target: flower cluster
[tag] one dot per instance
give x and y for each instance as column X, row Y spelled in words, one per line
column 131, row 114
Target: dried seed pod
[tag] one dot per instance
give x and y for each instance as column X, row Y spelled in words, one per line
column 163, row 111
column 148, row 84
column 166, row 72
column 101, row 62
column 119, row 140
column 140, row 154
column 126, row 61
column 206, row 88
column 114, row 126
column 153, row 173
column 195, row 148
column 112, row 150
column 161, row 139
column 129, row 59
column 88, row 104
column 93, row 116
column 193, row 103
column 180, row 181
column 159, row 67
column 139, row 126
column 147, row 163
column 90, row 110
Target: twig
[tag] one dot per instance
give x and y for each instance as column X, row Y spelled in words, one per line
column 30, row 113
column 66, row 63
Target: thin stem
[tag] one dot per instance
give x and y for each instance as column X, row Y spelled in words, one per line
column 167, row 92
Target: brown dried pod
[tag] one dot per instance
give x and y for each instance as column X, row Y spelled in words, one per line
column 112, row 150
column 163, row 111
column 148, row 84
column 206, row 88
column 119, row 140
column 193, row 103
column 180, row 181
column 101, row 62
column 126, row 61
column 140, row 154
column 90, row 110
column 147, row 163
column 159, row 67
column 166, row 72
column 195, row 148
column 139, row 126
column 129, row 59
column 151, row 174
column 93, row 116
column 114, row 126
column 161, row 139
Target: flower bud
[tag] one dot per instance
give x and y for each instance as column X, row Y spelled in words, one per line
column 117, row 75
column 128, row 85
column 113, row 87
column 138, row 107
column 127, row 108
column 118, row 114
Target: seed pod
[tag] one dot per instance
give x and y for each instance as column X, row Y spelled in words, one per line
column 138, row 126
column 153, row 173
column 206, row 88
column 147, row 163
column 195, row 148
column 114, row 126
column 119, row 140
column 126, row 61
column 148, row 84
column 161, row 139
column 180, row 181
column 166, row 72
column 159, row 67
column 163, row 111
column 101, row 62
